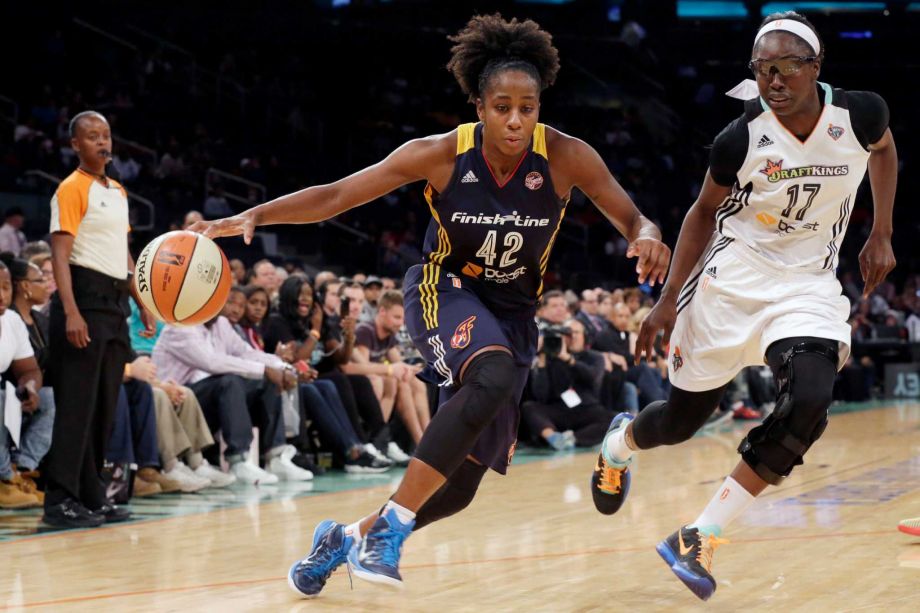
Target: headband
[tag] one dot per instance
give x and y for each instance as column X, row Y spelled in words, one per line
column 795, row 27
column 747, row 89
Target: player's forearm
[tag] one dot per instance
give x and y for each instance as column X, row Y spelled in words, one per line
column 695, row 233
column 309, row 205
column 883, row 176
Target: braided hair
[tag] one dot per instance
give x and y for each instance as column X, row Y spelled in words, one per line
column 489, row 45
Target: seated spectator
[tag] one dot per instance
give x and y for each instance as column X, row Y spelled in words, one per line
column 17, row 362
column 44, row 263
column 30, row 292
column 190, row 218
column 265, row 275
column 617, row 344
column 376, row 353
column 12, row 238
column 239, row 271
column 588, row 314
column 372, row 288
column 216, row 205
column 565, row 383
column 142, row 342
column 553, row 309
column 232, row 381
column 295, row 333
column 33, row 249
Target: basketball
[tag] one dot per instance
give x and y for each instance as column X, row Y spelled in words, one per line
column 183, row 278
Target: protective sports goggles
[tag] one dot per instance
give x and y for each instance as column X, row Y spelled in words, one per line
column 786, row 66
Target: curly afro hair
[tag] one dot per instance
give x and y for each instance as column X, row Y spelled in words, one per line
column 489, row 44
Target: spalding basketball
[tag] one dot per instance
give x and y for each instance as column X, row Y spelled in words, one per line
column 183, row 278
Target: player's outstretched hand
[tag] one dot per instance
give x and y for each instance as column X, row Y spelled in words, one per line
column 654, row 257
column 244, row 224
column 661, row 317
column 876, row 260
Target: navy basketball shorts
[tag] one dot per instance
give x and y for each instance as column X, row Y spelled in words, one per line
column 448, row 324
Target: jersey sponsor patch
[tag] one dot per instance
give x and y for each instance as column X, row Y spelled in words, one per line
column 775, row 171
column 835, row 132
column 456, row 282
column 463, row 334
column 765, row 218
column 472, row 270
column 533, row 181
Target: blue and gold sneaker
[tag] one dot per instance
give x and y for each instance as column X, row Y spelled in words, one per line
column 376, row 559
column 330, row 548
column 610, row 479
column 689, row 554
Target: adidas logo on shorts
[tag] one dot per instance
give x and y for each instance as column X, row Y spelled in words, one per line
column 764, row 142
column 711, row 271
column 469, row 178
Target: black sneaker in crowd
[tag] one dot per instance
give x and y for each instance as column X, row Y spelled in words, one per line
column 71, row 514
column 305, row 462
column 367, row 463
column 112, row 513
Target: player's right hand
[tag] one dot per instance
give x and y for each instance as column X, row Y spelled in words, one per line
column 662, row 317
column 244, row 224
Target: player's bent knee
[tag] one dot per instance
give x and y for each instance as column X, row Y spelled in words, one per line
column 488, row 379
column 778, row 445
column 456, row 494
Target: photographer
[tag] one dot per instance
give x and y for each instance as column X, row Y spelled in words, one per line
column 565, row 383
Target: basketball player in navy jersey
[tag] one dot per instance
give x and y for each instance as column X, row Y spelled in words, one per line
column 770, row 218
column 497, row 191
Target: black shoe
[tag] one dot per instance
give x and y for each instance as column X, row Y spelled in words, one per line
column 112, row 514
column 689, row 554
column 303, row 461
column 366, row 463
column 71, row 514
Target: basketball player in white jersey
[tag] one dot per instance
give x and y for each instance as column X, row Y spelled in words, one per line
column 756, row 261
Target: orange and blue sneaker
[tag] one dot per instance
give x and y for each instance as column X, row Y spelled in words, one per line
column 376, row 559
column 330, row 548
column 689, row 554
column 610, row 479
column 910, row 526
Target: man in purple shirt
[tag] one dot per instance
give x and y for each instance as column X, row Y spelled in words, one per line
column 232, row 381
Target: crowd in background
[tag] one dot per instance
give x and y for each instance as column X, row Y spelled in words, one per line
column 303, row 373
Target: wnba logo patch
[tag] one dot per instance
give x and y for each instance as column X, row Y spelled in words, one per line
column 533, row 181
column 170, row 258
column 835, row 132
column 676, row 360
column 463, row 334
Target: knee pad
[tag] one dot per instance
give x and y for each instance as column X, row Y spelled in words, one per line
column 454, row 496
column 488, row 379
column 799, row 418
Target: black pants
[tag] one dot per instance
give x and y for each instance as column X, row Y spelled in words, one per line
column 232, row 405
column 86, row 383
column 361, row 406
column 588, row 422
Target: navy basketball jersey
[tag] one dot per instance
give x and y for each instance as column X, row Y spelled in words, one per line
column 495, row 238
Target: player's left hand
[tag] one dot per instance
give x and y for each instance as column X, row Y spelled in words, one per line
column 876, row 260
column 654, row 258
column 244, row 224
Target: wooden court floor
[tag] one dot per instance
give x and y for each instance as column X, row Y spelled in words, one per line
column 532, row 541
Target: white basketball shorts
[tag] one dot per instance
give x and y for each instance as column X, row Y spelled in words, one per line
column 736, row 304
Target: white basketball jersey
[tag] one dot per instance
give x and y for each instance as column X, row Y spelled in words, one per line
column 792, row 199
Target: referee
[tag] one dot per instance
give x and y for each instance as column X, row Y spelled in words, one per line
column 88, row 332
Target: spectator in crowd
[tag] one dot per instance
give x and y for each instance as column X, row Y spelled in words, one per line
column 239, row 271
column 216, row 205
column 235, row 309
column 376, row 353
column 588, row 314
column 357, row 392
column 251, row 323
column 231, row 380
column 142, row 342
column 298, row 330
column 617, row 344
column 89, row 343
column 45, row 264
column 12, row 238
column 565, row 383
column 30, row 291
column 18, row 363
column 388, row 283
column 325, row 276
column 265, row 275
column 554, row 309
column 126, row 167
column 190, row 218
column 372, row 288
column 33, row 249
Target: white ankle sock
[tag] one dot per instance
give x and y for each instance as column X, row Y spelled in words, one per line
column 730, row 501
column 616, row 447
column 354, row 531
column 404, row 514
